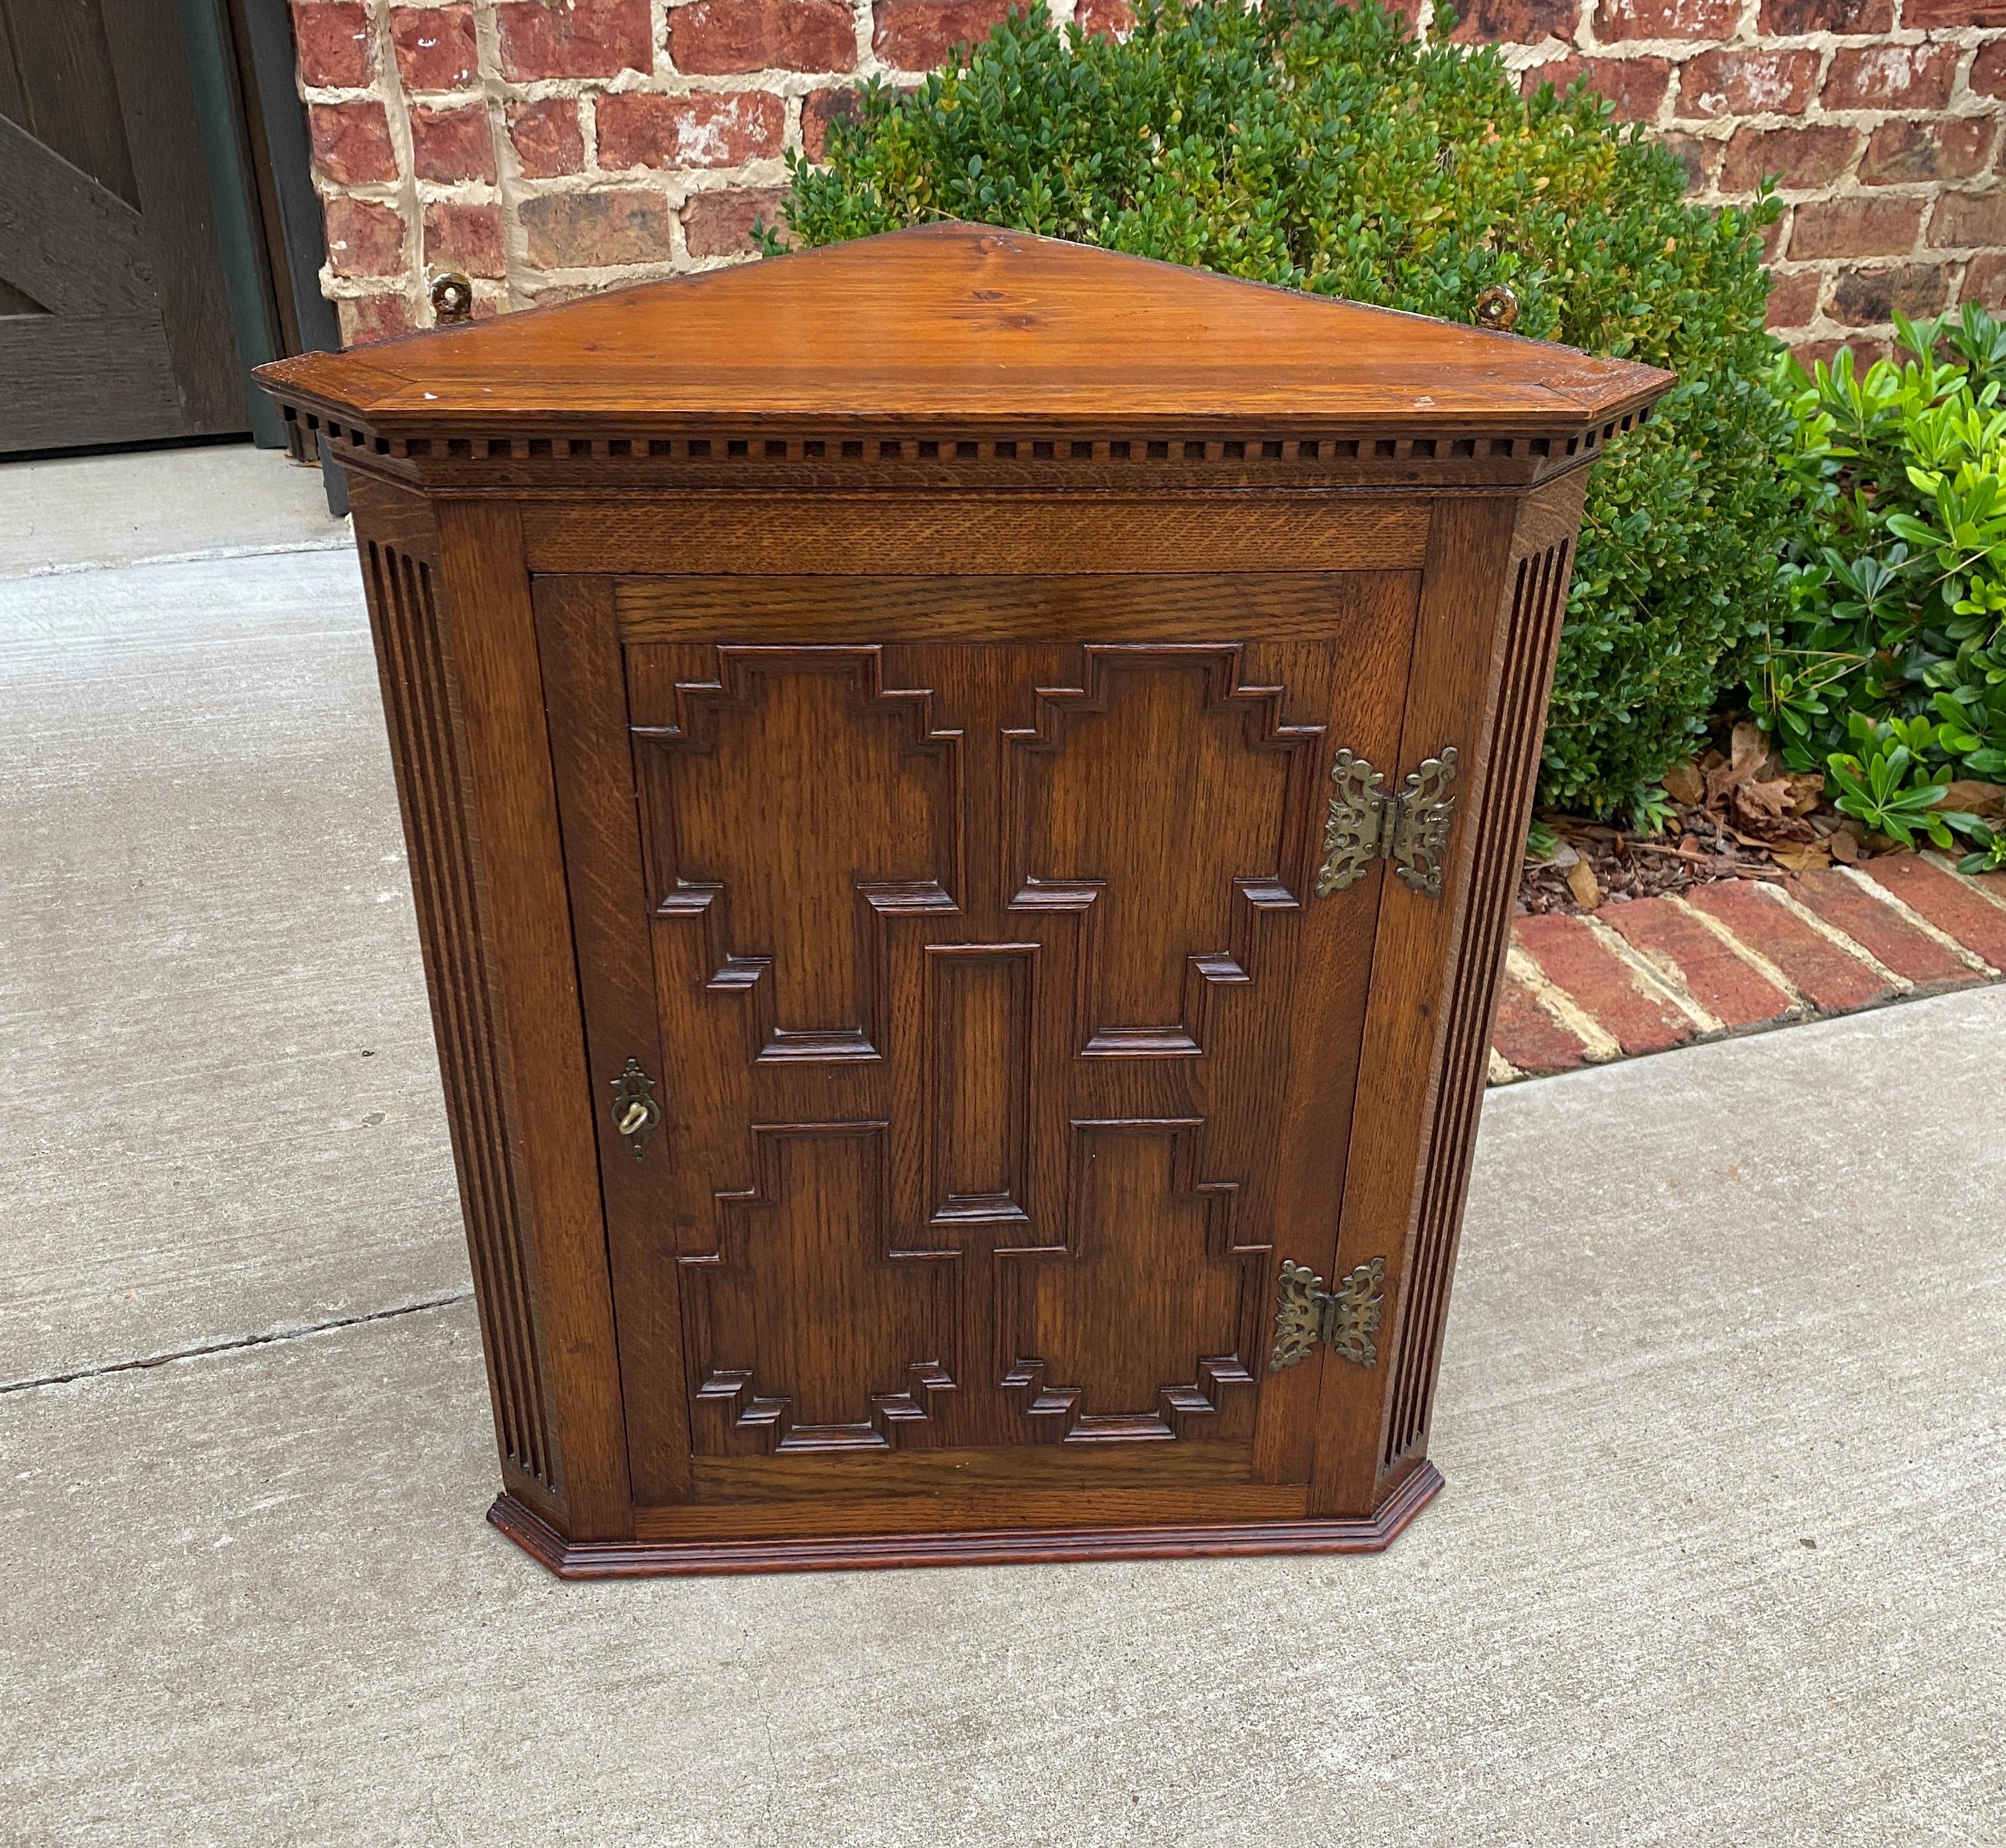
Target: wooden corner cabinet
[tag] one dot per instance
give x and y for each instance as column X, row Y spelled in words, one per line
column 964, row 795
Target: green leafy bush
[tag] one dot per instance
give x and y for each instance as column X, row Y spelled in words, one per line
column 1322, row 147
column 1888, row 667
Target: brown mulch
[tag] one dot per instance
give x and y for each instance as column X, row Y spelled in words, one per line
column 1595, row 863
column 1740, row 815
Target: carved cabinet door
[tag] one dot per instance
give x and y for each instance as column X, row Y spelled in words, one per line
column 972, row 1045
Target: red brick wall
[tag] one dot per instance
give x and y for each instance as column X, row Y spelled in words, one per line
column 551, row 146
column 1879, row 119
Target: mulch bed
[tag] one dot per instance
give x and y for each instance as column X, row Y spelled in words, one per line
column 1595, row 864
column 1739, row 814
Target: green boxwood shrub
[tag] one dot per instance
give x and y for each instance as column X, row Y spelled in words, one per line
column 1320, row 147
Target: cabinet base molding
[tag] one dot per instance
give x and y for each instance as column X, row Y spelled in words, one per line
column 641, row 1559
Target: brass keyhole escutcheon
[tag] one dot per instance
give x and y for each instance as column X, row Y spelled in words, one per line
column 636, row 1113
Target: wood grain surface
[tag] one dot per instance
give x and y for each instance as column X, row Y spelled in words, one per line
column 972, row 327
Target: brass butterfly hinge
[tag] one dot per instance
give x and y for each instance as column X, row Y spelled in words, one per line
column 1346, row 1319
column 1410, row 828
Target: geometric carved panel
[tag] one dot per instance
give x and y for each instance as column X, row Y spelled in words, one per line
column 1168, row 805
column 795, row 801
column 807, row 1330
column 969, row 1153
column 1143, row 1326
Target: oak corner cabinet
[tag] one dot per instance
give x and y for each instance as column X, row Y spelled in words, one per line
column 964, row 795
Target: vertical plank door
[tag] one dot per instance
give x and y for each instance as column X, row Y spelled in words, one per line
column 114, row 320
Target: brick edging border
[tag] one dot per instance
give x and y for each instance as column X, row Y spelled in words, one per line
column 1740, row 956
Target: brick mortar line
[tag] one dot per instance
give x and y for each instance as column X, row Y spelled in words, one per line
column 1916, row 920
column 509, row 177
column 1599, row 1046
column 397, row 112
column 1991, row 896
column 1650, row 978
column 1804, row 914
column 1684, row 51
column 1801, row 1008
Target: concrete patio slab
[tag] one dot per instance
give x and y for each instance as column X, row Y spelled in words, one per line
column 1722, row 1557
column 221, row 1106
column 83, row 512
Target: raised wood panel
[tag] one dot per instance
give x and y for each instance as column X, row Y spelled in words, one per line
column 1145, row 1323
column 941, row 1174
column 739, row 789
column 978, row 1049
column 813, row 1240
column 1164, row 804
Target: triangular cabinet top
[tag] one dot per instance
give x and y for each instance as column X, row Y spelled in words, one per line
column 963, row 351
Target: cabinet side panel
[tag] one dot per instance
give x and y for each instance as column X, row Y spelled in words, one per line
column 1451, row 702
column 503, row 725
column 400, row 569
column 1542, row 562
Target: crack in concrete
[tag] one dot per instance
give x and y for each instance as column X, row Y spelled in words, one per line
column 245, row 1341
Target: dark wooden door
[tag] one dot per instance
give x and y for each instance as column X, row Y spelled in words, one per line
column 966, row 927
column 114, row 323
